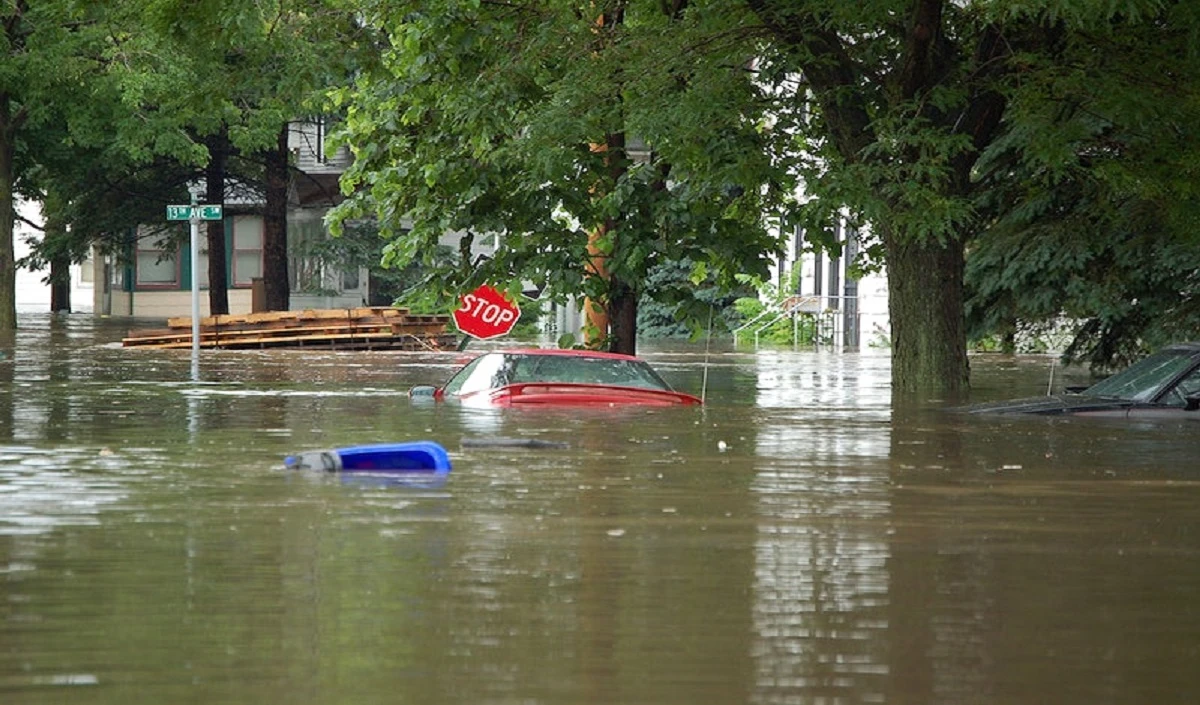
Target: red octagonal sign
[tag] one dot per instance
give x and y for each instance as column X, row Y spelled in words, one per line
column 486, row 313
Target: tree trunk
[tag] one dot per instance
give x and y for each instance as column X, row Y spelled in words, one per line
column 925, row 302
column 56, row 250
column 605, row 315
column 622, row 312
column 214, row 177
column 60, row 284
column 275, row 246
column 595, row 331
column 8, row 266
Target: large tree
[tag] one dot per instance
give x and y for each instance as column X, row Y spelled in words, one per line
column 597, row 139
column 928, row 118
column 894, row 103
column 195, row 70
column 498, row 118
column 49, row 53
column 68, row 133
column 173, row 92
column 1093, row 207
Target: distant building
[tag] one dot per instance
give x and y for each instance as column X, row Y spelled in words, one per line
column 32, row 291
column 852, row 312
column 154, row 280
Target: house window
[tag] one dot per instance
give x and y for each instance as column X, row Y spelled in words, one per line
column 202, row 265
column 247, row 249
column 87, row 271
column 305, row 240
column 156, row 267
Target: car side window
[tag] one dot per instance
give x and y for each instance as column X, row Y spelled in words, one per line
column 455, row 383
column 1188, row 386
column 484, row 372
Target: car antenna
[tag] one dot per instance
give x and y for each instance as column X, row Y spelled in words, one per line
column 707, row 343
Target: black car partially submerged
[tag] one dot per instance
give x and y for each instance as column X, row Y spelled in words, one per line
column 1163, row 385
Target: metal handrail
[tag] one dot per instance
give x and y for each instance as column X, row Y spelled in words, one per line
column 795, row 303
column 752, row 321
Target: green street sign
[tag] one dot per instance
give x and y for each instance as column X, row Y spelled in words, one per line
column 189, row 212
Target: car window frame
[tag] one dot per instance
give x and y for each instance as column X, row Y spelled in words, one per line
column 1144, row 381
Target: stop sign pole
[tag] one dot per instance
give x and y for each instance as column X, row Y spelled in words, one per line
column 486, row 313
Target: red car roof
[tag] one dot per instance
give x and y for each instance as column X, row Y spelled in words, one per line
column 567, row 352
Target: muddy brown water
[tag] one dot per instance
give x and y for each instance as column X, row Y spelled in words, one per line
column 794, row 541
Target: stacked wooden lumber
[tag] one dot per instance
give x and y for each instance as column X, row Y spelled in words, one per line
column 368, row 328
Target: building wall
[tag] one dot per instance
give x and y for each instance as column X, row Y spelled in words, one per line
column 32, row 292
column 119, row 296
column 843, row 302
column 308, row 141
column 167, row 304
column 170, row 304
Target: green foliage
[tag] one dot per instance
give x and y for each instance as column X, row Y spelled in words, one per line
column 1034, row 131
column 764, row 314
column 1054, row 137
column 360, row 245
column 187, row 69
column 48, row 58
column 677, row 305
column 116, row 100
column 1092, row 204
column 485, row 118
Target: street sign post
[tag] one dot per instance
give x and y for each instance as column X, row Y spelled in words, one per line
column 486, row 313
column 199, row 212
column 194, row 213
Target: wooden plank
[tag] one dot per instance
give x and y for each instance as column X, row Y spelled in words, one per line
column 314, row 314
column 354, row 312
column 233, row 338
column 368, row 325
column 155, row 340
column 275, row 318
column 405, row 342
column 150, row 333
column 421, row 328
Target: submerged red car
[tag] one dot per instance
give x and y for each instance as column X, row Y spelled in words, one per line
column 557, row 377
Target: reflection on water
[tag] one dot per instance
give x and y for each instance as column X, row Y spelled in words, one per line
column 37, row 494
column 796, row 540
column 822, row 496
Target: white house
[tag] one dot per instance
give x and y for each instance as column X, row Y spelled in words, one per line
column 152, row 282
column 32, row 291
column 852, row 312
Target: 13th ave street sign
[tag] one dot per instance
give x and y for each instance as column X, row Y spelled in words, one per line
column 197, row 212
column 486, row 313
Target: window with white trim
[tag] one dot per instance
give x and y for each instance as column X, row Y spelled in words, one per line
column 156, row 266
column 247, row 249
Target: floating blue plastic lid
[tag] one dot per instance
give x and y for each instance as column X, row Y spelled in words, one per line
column 410, row 457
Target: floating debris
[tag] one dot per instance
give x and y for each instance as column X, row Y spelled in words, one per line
column 367, row 328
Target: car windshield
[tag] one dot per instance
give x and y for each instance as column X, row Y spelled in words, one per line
column 493, row 370
column 574, row 369
column 1144, row 380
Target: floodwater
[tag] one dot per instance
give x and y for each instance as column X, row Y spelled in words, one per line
column 796, row 541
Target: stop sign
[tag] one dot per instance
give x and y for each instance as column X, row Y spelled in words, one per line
column 486, row 313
